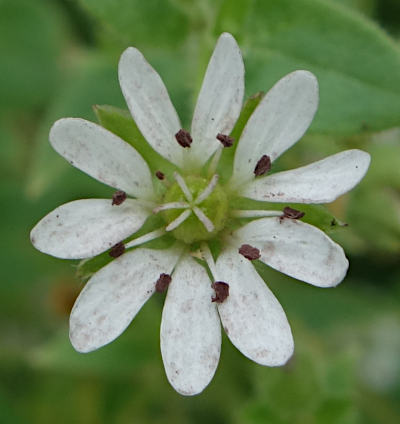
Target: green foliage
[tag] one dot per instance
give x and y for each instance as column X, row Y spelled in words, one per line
column 357, row 65
column 54, row 65
column 30, row 33
column 374, row 207
column 316, row 387
column 141, row 22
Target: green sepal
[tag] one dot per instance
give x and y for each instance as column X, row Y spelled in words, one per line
column 225, row 166
column 87, row 267
column 120, row 122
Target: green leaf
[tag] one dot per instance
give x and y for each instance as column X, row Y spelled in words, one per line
column 357, row 64
column 140, row 22
column 385, row 164
column 133, row 349
column 121, row 123
column 374, row 206
column 296, row 392
column 365, row 6
column 375, row 215
column 30, row 37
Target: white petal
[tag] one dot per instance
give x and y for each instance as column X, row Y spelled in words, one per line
column 278, row 122
column 251, row 315
column 190, row 329
column 102, row 155
column 320, row 182
column 115, row 294
column 220, row 99
column 296, row 249
column 85, row 228
column 149, row 104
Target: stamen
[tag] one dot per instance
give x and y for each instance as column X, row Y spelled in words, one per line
column 204, row 219
column 184, row 138
column 249, row 252
column 254, row 214
column 163, row 282
column 263, row 166
column 291, row 213
column 178, row 221
column 117, row 250
column 118, row 197
column 183, row 186
column 208, row 190
column 172, row 205
column 147, row 237
column 221, row 288
column 221, row 291
column 225, row 140
column 160, row 175
column 146, row 203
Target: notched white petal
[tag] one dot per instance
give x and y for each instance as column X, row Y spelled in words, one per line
column 220, row 99
column 85, row 228
column 149, row 104
column 319, row 182
column 190, row 329
column 296, row 249
column 115, row 294
column 281, row 118
column 101, row 154
column 251, row 315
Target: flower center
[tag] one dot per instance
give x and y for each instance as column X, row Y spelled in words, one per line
column 205, row 210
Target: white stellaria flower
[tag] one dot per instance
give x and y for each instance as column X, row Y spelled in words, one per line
column 196, row 208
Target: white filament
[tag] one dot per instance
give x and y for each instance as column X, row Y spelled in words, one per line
column 185, row 189
column 178, row 221
column 172, row 205
column 204, row 219
column 208, row 190
column 147, row 237
column 254, row 214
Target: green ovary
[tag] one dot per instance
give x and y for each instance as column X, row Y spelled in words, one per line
column 215, row 207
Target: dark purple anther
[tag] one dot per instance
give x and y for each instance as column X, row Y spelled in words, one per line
column 117, row 250
column 183, row 138
column 118, row 197
column 221, row 291
column 291, row 213
column 263, row 166
column 163, row 282
column 249, row 252
column 225, row 140
column 160, row 175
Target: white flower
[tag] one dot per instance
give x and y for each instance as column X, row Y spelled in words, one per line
column 196, row 208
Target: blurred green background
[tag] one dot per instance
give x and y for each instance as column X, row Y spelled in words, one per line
column 58, row 58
